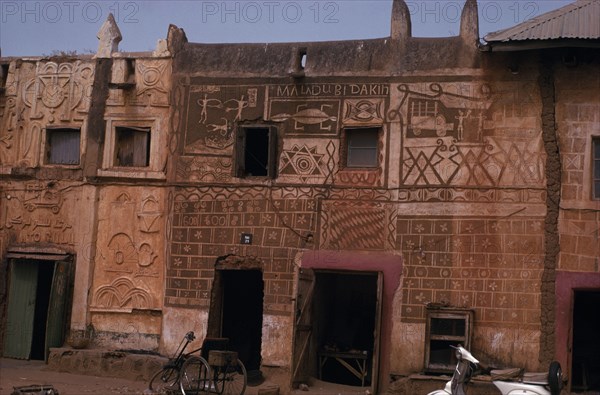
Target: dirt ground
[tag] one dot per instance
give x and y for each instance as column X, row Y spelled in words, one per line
column 17, row 373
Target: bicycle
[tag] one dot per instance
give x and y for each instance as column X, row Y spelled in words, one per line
column 168, row 379
column 225, row 375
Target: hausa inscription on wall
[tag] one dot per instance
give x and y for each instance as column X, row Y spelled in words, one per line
column 320, row 109
column 34, row 214
column 212, row 111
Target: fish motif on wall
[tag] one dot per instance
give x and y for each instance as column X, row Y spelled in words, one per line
column 307, row 116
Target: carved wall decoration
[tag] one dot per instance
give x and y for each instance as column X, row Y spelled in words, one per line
column 471, row 195
column 204, row 169
column 364, row 111
column 151, row 86
column 199, row 195
column 122, row 293
column 33, row 213
column 331, row 160
column 498, row 162
column 40, row 197
column 150, row 75
column 123, row 256
column 359, row 177
column 465, row 134
column 316, row 109
column 310, row 117
column 38, row 95
column 123, row 198
column 148, row 266
column 128, row 271
column 430, row 100
column 7, row 129
column 29, row 146
column 59, row 91
column 149, row 215
column 147, row 255
column 302, row 161
column 207, row 223
column 10, row 108
column 355, row 226
column 212, row 111
column 490, row 264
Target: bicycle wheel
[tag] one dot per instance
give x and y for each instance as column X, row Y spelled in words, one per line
column 194, row 377
column 164, row 381
column 230, row 379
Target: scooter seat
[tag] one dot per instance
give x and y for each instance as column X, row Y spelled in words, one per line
column 536, row 378
column 517, row 374
column 506, row 374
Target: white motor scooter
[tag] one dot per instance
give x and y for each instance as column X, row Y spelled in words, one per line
column 508, row 381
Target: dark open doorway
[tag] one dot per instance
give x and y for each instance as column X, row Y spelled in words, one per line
column 42, row 303
column 242, row 313
column 345, row 307
column 586, row 348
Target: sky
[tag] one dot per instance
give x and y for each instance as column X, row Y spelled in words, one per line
column 34, row 28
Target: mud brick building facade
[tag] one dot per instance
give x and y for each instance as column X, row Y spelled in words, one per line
column 371, row 200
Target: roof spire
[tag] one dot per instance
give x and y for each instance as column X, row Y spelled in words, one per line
column 401, row 24
column 110, row 37
column 469, row 23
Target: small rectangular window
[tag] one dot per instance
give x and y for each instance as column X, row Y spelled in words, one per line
column 62, row 146
column 445, row 327
column 132, row 146
column 256, row 151
column 596, row 175
column 362, row 147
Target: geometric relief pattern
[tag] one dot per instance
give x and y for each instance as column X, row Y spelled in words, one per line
column 490, row 265
column 202, row 230
column 497, row 162
column 217, row 169
column 59, row 88
column 302, row 161
column 361, row 111
column 504, row 195
column 122, row 294
column 358, row 226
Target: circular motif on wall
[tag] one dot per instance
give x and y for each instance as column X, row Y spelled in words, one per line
column 53, row 95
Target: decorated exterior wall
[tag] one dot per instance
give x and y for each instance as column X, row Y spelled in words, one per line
column 578, row 272
column 159, row 201
column 43, row 204
column 458, row 193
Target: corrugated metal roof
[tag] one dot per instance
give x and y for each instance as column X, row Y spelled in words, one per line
column 579, row 20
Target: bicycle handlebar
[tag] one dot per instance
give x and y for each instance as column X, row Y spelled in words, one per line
column 190, row 336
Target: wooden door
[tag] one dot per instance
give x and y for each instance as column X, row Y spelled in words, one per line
column 57, row 308
column 21, row 308
column 377, row 333
column 303, row 327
